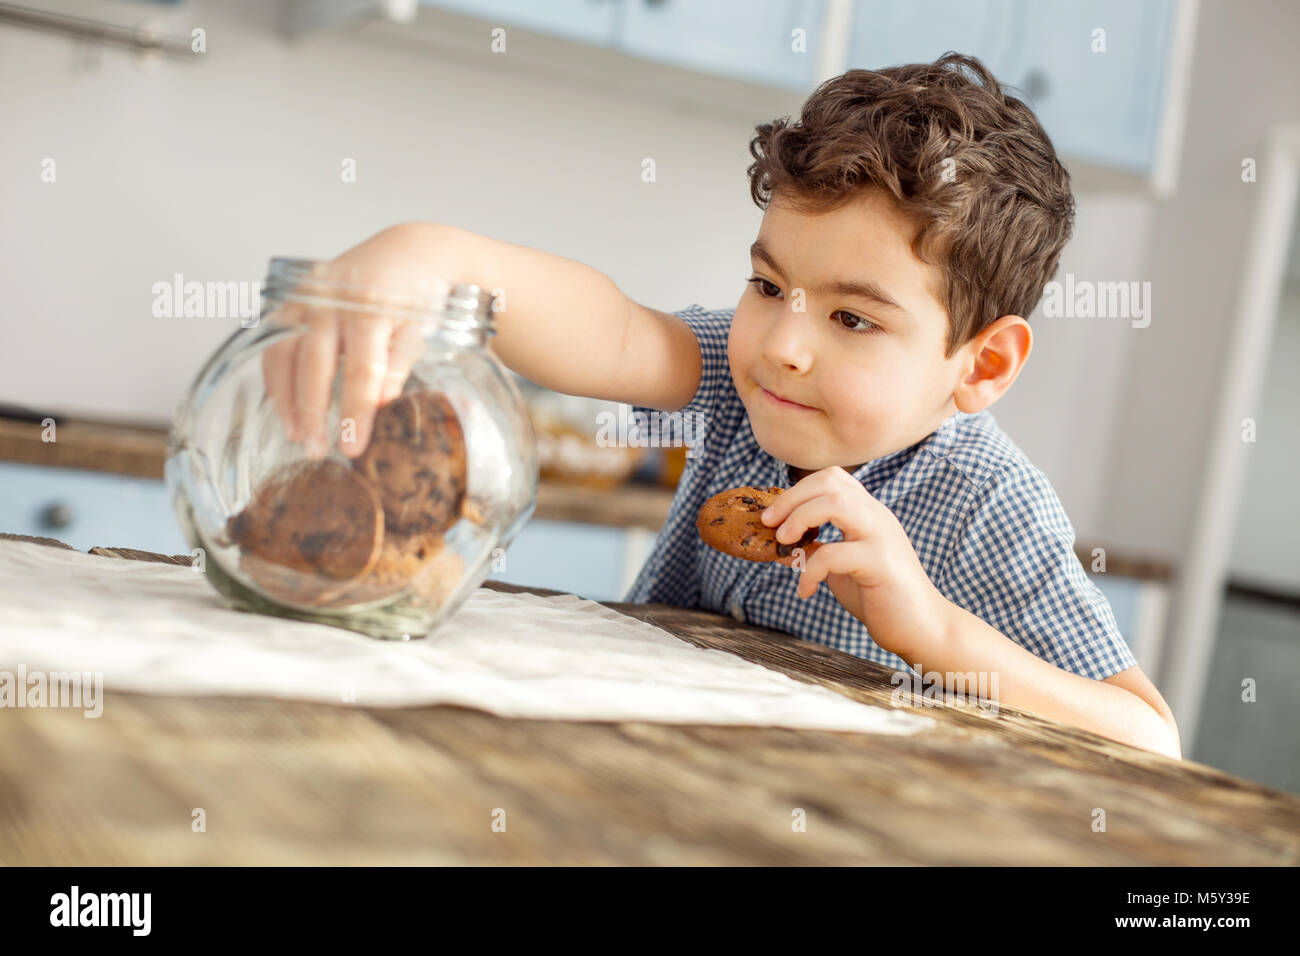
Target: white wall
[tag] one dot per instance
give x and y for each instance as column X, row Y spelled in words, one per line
column 1062, row 409
column 209, row 169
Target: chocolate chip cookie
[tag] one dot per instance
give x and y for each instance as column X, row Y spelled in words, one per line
column 401, row 558
column 417, row 460
column 731, row 522
column 437, row 578
column 311, row 529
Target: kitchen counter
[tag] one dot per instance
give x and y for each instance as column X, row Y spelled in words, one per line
column 140, row 451
column 285, row 782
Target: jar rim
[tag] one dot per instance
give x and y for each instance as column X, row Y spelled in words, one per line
column 457, row 305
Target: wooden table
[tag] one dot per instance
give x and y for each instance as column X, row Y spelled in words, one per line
column 304, row 783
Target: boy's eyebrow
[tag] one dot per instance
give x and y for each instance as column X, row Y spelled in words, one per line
column 864, row 288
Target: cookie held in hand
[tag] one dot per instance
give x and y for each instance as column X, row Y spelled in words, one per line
column 732, row 522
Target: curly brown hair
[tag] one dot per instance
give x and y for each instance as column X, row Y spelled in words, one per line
column 994, row 219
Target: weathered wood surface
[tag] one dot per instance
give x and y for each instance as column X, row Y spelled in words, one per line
column 287, row 782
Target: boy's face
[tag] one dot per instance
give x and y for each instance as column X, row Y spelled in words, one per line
column 868, row 393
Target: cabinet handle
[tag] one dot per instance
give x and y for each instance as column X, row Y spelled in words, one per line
column 1036, row 85
column 56, row 516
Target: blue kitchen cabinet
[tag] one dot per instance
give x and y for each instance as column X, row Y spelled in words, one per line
column 888, row 33
column 89, row 508
column 747, row 40
column 750, row 41
column 583, row 559
column 98, row 509
column 1102, row 107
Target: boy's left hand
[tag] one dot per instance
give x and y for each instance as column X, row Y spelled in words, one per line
column 874, row 572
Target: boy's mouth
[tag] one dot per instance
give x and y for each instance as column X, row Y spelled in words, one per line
column 778, row 402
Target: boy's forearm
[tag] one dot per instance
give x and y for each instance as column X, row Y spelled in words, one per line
column 964, row 643
column 563, row 323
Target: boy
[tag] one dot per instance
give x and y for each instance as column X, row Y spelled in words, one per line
column 912, row 217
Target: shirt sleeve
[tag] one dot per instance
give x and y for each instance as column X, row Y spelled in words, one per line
column 711, row 329
column 1014, row 567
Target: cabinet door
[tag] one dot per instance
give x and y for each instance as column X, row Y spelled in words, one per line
column 748, row 40
column 591, row 21
column 889, row 33
column 88, row 509
column 587, row 560
column 1103, row 107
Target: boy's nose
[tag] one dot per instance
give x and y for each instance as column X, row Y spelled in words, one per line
column 787, row 345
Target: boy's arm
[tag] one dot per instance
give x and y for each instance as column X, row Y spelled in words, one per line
column 661, row 365
column 1136, row 682
column 1124, row 707
column 561, row 324
column 876, row 574
column 567, row 326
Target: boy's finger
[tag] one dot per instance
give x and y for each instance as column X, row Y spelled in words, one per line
column 277, row 373
column 819, row 510
column 779, row 509
column 838, row 559
column 365, row 368
column 278, row 363
column 313, row 377
column 404, row 350
column 808, row 551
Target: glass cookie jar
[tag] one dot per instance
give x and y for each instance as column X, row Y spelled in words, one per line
column 302, row 505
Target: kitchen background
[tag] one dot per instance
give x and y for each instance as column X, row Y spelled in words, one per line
column 1181, row 138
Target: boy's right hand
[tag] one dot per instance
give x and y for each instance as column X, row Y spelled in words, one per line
column 569, row 329
column 378, row 351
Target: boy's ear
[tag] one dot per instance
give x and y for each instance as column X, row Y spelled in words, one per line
column 991, row 361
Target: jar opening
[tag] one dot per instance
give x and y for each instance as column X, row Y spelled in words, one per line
column 456, row 305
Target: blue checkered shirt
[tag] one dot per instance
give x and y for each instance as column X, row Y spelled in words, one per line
column 986, row 524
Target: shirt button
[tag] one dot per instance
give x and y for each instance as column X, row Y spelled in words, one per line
column 736, row 612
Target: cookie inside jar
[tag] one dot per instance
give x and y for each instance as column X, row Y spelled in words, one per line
column 327, row 534
column 417, row 461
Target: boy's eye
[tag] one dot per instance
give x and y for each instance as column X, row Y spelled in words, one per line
column 770, row 290
column 866, row 324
